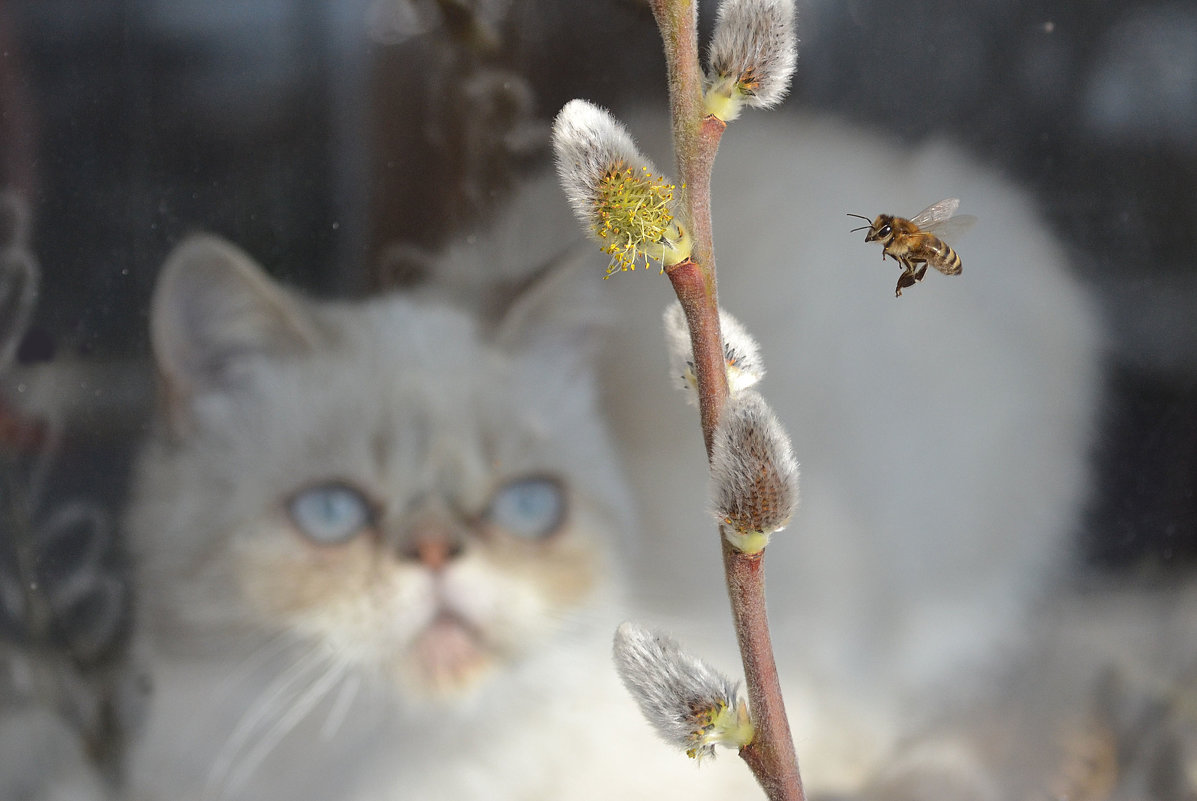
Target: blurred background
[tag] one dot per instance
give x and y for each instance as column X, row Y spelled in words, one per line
column 339, row 142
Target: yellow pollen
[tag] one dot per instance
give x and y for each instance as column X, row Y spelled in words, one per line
column 632, row 216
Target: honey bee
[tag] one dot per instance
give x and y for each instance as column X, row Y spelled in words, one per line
column 914, row 243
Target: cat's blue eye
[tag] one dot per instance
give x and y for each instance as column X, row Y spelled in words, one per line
column 330, row 513
column 531, row 508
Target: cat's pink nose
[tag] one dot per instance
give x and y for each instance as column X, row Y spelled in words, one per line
column 436, row 552
column 433, row 545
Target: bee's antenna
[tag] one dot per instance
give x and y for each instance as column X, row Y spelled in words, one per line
column 862, row 217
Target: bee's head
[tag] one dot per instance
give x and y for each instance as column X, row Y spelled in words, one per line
column 878, row 229
column 882, row 229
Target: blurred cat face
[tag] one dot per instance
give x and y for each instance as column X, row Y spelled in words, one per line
column 380, row 482
column 434, row 598
column 416, row 526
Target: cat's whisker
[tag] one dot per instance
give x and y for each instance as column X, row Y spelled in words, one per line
column 341, row 705
column 307, row 700
column 264, row 708
column 260, row 655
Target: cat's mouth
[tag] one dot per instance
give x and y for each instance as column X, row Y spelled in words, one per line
column 450, row 654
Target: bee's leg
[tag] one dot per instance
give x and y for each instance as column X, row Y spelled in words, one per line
column 904, row 280
column 920, row 272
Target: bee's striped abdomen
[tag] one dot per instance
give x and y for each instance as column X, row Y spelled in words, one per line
column 942, row 257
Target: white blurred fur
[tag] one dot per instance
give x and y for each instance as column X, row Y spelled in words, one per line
column 943, row 440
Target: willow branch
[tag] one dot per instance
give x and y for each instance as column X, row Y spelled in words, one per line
column 770, row 755
column 695, row 143
column 695, row 289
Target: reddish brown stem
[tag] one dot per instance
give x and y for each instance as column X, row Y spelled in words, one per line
column 695, row 290
column 770, row 755
column 695, row 170
column 678, row 22
column 695, row 136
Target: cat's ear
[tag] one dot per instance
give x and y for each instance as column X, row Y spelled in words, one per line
column 558, row 308
column 214, row 311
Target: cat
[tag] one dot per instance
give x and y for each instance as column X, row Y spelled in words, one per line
column 383, row 546
column 374, row 550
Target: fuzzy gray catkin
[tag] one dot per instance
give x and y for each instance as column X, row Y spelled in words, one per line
column 741, row 354
column 754, row 476
column 754, row 46
column 588, row 142
column 689, row 703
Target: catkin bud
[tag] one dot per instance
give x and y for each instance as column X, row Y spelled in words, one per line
column 621, row 200
column 741, row 354
column 754, row 477
column 689, row 703
column 752, row 56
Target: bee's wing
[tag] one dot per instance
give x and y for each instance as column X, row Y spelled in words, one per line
column 936, row 212
column 952, row 228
